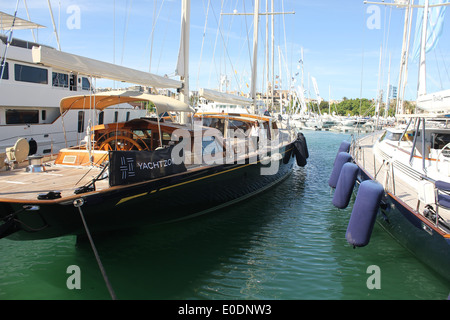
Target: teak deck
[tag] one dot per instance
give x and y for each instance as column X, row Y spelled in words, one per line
column 21, row 185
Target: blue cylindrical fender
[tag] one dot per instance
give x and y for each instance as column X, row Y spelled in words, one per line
column 364, row 213
column 344, row 147
column 345, row 184
column 341, row 159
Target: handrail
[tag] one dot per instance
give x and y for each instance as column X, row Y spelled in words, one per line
column 439, row 154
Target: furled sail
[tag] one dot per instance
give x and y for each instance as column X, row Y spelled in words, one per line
column 99, row 69
column 224, row 97
column 8, row 22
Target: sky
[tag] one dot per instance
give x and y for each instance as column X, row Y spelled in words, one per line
column 341, row 42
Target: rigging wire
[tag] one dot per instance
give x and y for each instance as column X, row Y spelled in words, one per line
column 8, row 42
column 151, row 37
column 226, row 49
column 203, row 42
column 362, row 63
column 247, row 32
column 126, row 30
column 439, row 72
column 164, row 41
column 215, row 42
column 443, row 61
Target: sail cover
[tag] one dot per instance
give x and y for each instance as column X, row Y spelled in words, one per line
column 7, row 21
column 99, row 69
column 438, row 102
column 223, row 97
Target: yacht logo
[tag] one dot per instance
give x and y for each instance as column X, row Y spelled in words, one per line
column 127, row 167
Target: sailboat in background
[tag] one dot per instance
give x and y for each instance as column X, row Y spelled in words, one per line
column 314, row 119
column 402, row 173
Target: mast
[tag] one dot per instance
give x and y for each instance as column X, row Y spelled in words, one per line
column 256, row 15
column 273, row 54
column 427, row 102
column 183, row 57
column 266, row 101
column 54, row 25
column 380, row 95
column 255, row 54
column 422, row 85
column 388, row 93
column 280, row 77
column 404, row 59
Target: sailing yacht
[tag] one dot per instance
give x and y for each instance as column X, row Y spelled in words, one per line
column 144, row 171
column 403, row 176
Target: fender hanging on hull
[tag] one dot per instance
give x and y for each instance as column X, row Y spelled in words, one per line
column 364, row 213
column 341, row 159
column 344, row 147
column 301, row 150
column 345, row 184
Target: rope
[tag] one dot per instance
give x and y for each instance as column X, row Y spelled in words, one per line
column 77, row 204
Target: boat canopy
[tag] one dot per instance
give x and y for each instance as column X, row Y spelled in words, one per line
column 223, row 97
column 7, row 21
column 103, row 100
column 99, row 69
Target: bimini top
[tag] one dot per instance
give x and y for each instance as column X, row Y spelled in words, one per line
column 103, row 100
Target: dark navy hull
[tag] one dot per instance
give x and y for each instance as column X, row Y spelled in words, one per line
column 162, row 200
column 416, row 233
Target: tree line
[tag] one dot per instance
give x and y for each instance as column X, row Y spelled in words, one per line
column 358, row 107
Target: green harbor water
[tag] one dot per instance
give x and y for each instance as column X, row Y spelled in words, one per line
column 287, row 243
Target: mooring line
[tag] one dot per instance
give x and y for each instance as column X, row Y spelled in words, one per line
column 78, row 203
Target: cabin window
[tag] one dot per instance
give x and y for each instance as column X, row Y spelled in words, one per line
column 60, row 80
column 116, row 116
column 22, row 116
column 85, row 84
column 143, row 134
column 30, row 74
column 166, row 138
column 238, row 125
column 128, row 116
column 218, row 124
column 5, row 70
column 80, row 121
column 101, row 117
column 43, row 115
column 440, row 140
column 73, row 82
column 393, row 136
